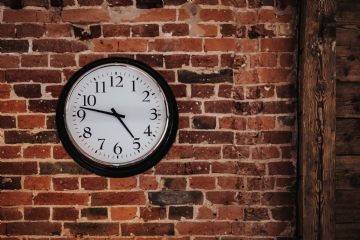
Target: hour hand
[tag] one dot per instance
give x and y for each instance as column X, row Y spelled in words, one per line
column 104, row 112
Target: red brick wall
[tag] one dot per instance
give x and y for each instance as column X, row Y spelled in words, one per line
column 231, row 172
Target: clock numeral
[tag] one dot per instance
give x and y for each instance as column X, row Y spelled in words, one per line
column 102, row 144
column 136, row 143
column 153, row 113
column 146, row 97
column 118, row 84
column 87, row 132
column 81, row 114
column 97, row 87
column 117, row 149
column 148, row 131
column 133, row 83
column 89, row 100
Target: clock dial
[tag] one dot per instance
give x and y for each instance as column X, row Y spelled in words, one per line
column 117, row 117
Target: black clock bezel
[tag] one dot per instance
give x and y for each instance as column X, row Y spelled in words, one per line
column 124, row 171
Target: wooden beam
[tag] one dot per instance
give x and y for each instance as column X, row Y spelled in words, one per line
column 317, row 77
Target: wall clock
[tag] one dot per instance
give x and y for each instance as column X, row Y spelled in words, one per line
column 117, row 117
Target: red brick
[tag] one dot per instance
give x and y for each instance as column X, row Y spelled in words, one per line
column 247, row 17
column 18, row 168
column 205, row 213
column 202, row 183
column 37, row 152
column 31, row 121
column 259, row 229
column 269, row 16
column 123, row 213
column 256, row 214
column 85, row 15
column 248, row 198
column 231, row 183
column 65, row 183
column 274, row 75
column 278, row 45
column 29, row 30
column 216, row 15
column 25, row 75
column 154, row 15
column 90, row 3
column 133, row 45
column 204, row 60
column 202, row 91
column 22, row 15
column 235, row 123
column 220, row 44
column 261, row 123
column 180, row 152
column 60, row 153
column 239, row 168
column 116, row 30
column 48, row 17
column 123, row 183
column 148, row 182
column 203, row 228
column 37, row 183
column 174, row 168
column 236, row 152
column 105, row 45
column 145, row 30
column 58, row 30
column 221, row 197
column 286, row 60
column 32, row 60
column 278, row 198
column 247, row 77
column 176, row 44
column 117, row 198
column 147, row 229
column 231, row 213
column 179, row 90
column 15, row 198
column 209, row 137
column 247, row 45
column 12, row 106
column 206, row 153
column 207, row 30
column 7, row 122
column 51, row 198
column 62, row 60
column 33, row 228
column 237, row 3
column 263, row 60
column 281, row 168
column 87, row 58
column 260, row 184
column 283, row 213
column 92, row 229
column 179, row 213
column 189, row 106
column 9, row 61
column 221, row 106
column 37, row 213
column 7, row 214
column 66, row 213
column 58, row 45
column 204, row 122
column 176, row 184
column 176, row 60
column 225, row 91
column 154, row 213
column 260, row 92
column 9, row 46
column 265, row 152
column 7, row 30
column 94, row 183
column 176, row 29
column 5, row 91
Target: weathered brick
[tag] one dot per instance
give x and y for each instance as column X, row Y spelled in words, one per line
column 189, row 106
column 88, row 33
column 91, row 229
column 13, row 137
column 58, row 198
column 218, row 15
column 7, row 30
column 34, row 60
column 180, row 152
column 83, row 60
column 267, row 152
column 58, row 30
column 40, row 76
column 204, row 60
column 123, row 213
column 90, row 2
column 29, row 30
column 281, row 168
column 65, row 213
column 259, row 229
column 220, row 44
column 133, row 45
column 246, row 77
column 225, row 91
column 146, row 4
column 239, row 168
column 278, row 45
column 58, row 45
column 204, row 122
column 286, row 60
column 278, row 107
column 231, row 183
column 153, row 60
column 232, row 213
column 154, row 15
column 234, row 3
column 269, row 16
column 5, row 91
column 174, row 168
column 205, row 153
column 175, row 184
column 178, row 213
column 37, row 183
column 278, row 198
column 85, row 15
column 49, row 168
column 236, row 152
column 9, row 46
column 176, row 198
column 10, row 183
column 65, row 183
column 42, row 106
column 36, row 3
column 7, row 214
column 204, row 136
column 203, row 228
column 221, row 197
column 222, row 106
column 7, row 122
column 31, row 121
column 231, row 30
column 176, row 60
column 117, row 198
column 235, row 123
column 15, row 198
column 33, row 228
column 9, row 61
column 18, row 168
column 120, row 2
column 37, row 151
column 94, row 213
column 175, row 45
column 145, row 30
column 202, row 182
column 205, row 213
column 22, row 15
column 202, row 91
column 274, row 75
column 261, row 123
column 94, row 183
column 48, row 16
column 147, row 229
column 260, row 184
column 175, row 29
column 154, row 213
column 256, row 214
column 260, row 3
column 207, row 30
column 123, row 183
column 148, row 182
column 36, row 213
column 248, row 198
column 62, row 60
column 260, row 92
column 179, row 90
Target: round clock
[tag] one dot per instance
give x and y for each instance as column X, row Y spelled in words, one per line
column 117, row 117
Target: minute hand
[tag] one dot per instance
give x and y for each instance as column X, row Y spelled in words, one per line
column 118, row 117
column 101, row 111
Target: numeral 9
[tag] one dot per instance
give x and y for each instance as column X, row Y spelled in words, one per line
column 81, row 114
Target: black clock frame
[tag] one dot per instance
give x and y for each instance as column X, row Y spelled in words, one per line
column 112, row 171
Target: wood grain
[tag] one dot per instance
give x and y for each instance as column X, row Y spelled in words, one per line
column 348, row 100
column 347, row 172
column 347, row 136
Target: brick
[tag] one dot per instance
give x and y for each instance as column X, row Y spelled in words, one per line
column 234, row 3
column 236, row 152
column 154, row 213
column 40, row 76
column 66, row 213
column 94, row 213
column 278, row 45
column 286, row 60
column 85, row 15
column 204, row 60
column 22, row 15
column 260, row 184
column 42, row 106
column 207, row 2
column 28, row 90
column 49, row 168
column 274, row 75
column 62, row 3
column 259, row 229
column 278, row 107
column 62, row 60
column 203, row 228
column 202, row 183
column 51, row 198
column 7, row 30
column 248, row 198
column 5, row 91
column 281, row 168
column 53, row 30
column 233, row 61
column 10, row 183
column 204, row 136
column 12, row 106
column 18, row 168
column 216, row 15
column 175, row 29
column 230, row 30
column 277, row 137
column 94, row 183
column 222, row 106
column 123, row 183
column 231, row 183
column 33, row 228
column 176, row 198
column 153, row 60
column 58, row 45
column 286, row 121
column 37, row 183
column 263, row 60
column 175, row 45
column 7, row 214
column 204, row 122
column 179, row 213
column 85, row 59
column 247, row 77
column 10, row 46
column 123, row 213
column 148, row 182
column 176, row 61
column 145, row 30
column 267, row 152
column 147, row 4
column 32, row 60
column 260, row 92
column 205, row 213
column 9, row 61
column 286, row 91
column 31, row 121
column 147, row 229
column 117, row 198
column 48, row 17
column 258, row 4
column 261, row 31
column 189, row 106
column 256, row 214
column 90, row 2
column 235, row 123
column 184, row 122
column 154, row 15
column 7, row 122
column 239, row 168
column 231, row 213
column 175, row 184
column 278, row 198
column 207, row 30
column 221, row 197
column 120, row 2
column 15, row 198
column 132, row 45
column 250, row 17
column 174, row 168
column 65, row 183
column 220, row 44
column 36, row 213
column 225, row 91
column 261, row 123
column 36, row 3
column 29, row 30
column 206, row 153
column 269, row 16
column 283, row 213
column 247, row 108
column 91, row 229
column 202, row 91
column 88, row 33
column 179, row 90
column 180, row 152
column 37, row 152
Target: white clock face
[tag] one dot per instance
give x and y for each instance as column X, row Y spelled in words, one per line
column 116, row 114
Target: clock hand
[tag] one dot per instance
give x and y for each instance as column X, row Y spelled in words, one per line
column 100, row 111
column 118, row 116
